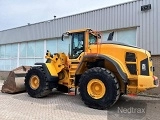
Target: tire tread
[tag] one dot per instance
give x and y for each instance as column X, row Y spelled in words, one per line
column 107, row 73
column 44, row 91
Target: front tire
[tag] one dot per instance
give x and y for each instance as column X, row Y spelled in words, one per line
column 36, row 83
column 99, row 88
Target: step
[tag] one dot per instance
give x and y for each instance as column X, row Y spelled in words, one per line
column 73, row 65
column 71, row 74
column 72, row 71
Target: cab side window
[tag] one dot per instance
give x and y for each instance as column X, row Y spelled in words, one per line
column 92, row 39
column 78, row 44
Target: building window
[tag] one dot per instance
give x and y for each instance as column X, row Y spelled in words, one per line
column 23, row 50
column 57, row 45
column 51, row 45
column 31, row 52
column 63, row 46
column 39, row 51
column 127, row 36
column 2, row 51
column 31, row 49
column 8, row 56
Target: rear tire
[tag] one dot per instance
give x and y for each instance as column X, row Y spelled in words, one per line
column 39, row 87
column 99, row 88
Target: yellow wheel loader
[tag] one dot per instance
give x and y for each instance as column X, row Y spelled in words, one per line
column 100, row 71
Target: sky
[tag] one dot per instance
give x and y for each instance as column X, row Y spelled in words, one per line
column 16, row 13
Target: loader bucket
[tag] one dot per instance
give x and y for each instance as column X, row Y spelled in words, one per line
column 15, row 80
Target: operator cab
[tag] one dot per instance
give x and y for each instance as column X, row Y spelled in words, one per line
column 80, row 41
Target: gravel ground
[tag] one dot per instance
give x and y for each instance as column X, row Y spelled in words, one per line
column 58, row 106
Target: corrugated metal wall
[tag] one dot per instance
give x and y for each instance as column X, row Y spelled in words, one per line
column 148, row 35
column 115, row 17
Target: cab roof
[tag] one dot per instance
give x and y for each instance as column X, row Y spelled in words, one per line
column 79, row 30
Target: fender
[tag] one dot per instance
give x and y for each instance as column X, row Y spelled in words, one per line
column 100, row 56
column 52, row 77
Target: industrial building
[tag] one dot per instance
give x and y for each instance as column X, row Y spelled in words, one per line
column 135, row 23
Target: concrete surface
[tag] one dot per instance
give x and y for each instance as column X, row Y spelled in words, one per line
column 58, row 106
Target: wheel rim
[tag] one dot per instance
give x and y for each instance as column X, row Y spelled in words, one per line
column 96, row 88
column 34, row 82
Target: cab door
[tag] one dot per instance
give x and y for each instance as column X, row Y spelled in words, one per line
column 77, row 44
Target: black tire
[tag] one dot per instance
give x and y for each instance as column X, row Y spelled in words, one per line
column 43, row 89
column 62, row 88
column 111, row 85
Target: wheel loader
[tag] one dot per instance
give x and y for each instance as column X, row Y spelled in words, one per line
column 100, row 72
